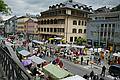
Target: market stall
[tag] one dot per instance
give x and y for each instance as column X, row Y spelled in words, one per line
column 24, row 52
column 36, row 59
column 55, row 72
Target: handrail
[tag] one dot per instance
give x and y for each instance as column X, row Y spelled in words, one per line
column 12, row 68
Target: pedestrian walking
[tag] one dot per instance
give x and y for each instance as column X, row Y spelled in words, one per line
column 81, row 60
column 103, row 71
column 99, row 61
column 91, row 75
column 87, row 61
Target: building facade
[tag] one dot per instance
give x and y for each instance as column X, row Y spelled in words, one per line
column 66, row 20
column 2, row 28
column 7, row 25
column 21, row 24
column 104, row 28
column 10, row 26
column 31, row 28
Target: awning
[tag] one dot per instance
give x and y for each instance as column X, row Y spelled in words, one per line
column 58, row 38
column 55, row 71
column 36, row 59
column 26, row 62
column 51, row 39
column 38, row 42
column 63, row 45
column 24, row 52
column 117, row 54
column 78, row 46
column 76, row 77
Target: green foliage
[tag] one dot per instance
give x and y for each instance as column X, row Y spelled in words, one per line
column 4, row 9
column 80, row 41
column 117, row 8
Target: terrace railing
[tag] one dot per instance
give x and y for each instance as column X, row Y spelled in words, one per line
column 13, row 70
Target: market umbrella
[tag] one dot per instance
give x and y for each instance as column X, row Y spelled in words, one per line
column 26, row 62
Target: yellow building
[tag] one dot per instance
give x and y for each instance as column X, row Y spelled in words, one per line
column 21, row 24
column 66, row 20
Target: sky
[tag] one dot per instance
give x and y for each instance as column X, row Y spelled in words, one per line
column 21, row 7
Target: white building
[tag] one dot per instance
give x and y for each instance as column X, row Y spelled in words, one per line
column 104, row 29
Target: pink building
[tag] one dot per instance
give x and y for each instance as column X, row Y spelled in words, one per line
column 31, row 27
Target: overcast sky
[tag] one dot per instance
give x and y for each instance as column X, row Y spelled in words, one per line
column 20, row 7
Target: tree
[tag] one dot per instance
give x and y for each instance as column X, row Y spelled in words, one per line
column 4, row 9
column 80, row 41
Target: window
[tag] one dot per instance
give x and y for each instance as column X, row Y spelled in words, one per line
column 44, row 21
column 105, row 25
column 102, row 25
column 41, row 29
column 74, row 22
column 63, row 11
column 54, row 29
column 38, row 29
column 113, row 25
column 62, row 30
column 47, row 29
column 44, row 29
column 48, row 21
column 85, row 23
column 109, row 25
column 84, row 30
column 74, row 31
column 79, row 22
column 71, row 39
column 80, row 31
column 51, row 21
column 75, row 38
column 51, row 29
column 55, row 21
column 82, row 23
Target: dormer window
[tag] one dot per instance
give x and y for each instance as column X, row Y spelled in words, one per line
column 61, row 5
column 57, row 6
column 81, row 7
column 50, row 7
column 76, row 6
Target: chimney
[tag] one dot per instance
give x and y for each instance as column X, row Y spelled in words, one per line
column 70, row 1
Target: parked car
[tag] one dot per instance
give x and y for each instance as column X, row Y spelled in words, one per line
column 115, row 70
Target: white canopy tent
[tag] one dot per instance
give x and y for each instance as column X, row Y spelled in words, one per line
column 76, row 77
column 24, row 52
column 38, row 42
column 76, row 46
column 58, row 38
column 63, row 45
column 36, row 59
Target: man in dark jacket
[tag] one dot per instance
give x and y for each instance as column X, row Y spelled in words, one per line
column 91, row 75
column 103, row 71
